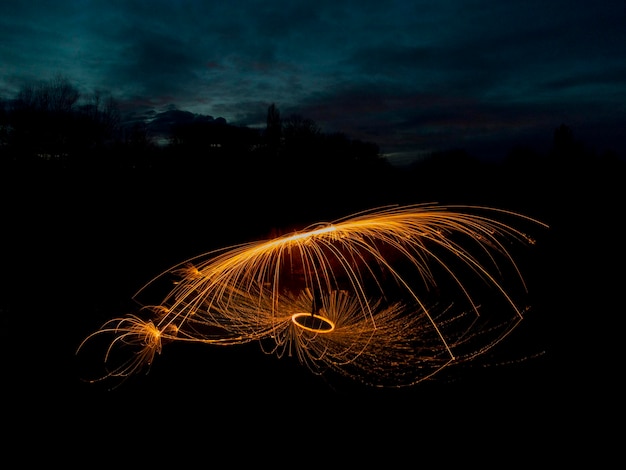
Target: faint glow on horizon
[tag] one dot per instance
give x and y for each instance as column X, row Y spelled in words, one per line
column 380, row 297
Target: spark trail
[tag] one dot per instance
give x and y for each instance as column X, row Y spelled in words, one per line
column 388, row 297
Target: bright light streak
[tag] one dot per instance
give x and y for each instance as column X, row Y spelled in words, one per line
column 387, row 297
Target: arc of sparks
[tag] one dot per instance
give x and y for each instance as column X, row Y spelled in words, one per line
column 353, row 296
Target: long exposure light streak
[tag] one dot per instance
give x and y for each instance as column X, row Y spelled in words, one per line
column 387, row 297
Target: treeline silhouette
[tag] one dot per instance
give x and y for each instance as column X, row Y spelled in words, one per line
column 49, row 125
column 49, row 129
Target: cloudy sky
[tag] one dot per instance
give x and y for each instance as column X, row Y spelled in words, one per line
column 411, row 76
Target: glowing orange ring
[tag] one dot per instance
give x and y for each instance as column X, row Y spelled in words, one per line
column 312, row 322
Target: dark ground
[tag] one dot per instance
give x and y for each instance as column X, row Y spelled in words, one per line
column 75, row 250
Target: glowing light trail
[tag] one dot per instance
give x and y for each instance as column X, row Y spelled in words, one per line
column 382, row 296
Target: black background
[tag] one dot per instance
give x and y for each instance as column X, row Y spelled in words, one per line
column 77, row 247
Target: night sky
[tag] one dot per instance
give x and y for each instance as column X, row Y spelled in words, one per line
column 417, row 78
column 413, row 77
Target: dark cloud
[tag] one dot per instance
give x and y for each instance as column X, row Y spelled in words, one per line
column 155, row 64
column 412, row 76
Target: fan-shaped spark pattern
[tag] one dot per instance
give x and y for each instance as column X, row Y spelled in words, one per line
column 361, row 296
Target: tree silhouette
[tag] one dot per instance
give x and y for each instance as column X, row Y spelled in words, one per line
column 566, row 149
column 302, row 140
column 273, row 130
column 55, row 96
column 101, row 111
column 299, row 130
column 47, row 122
column 41, row 119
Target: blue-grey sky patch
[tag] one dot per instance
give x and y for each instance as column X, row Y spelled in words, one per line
column 411, row 76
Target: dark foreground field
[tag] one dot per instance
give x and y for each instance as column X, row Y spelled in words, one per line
column 75, row 250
